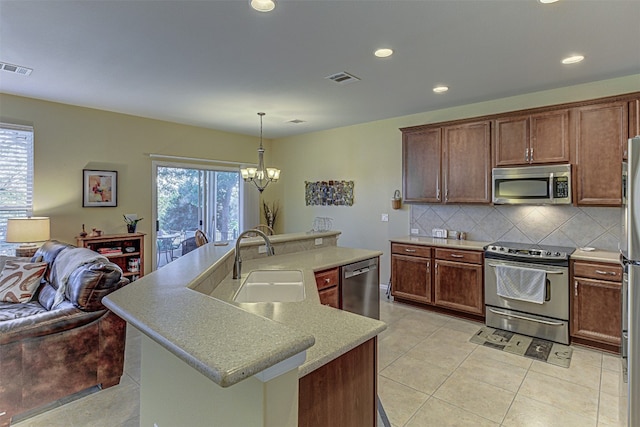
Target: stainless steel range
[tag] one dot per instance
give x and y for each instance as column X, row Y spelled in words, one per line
column 527, row 289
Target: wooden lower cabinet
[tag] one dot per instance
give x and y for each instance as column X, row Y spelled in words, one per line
column 328, row 284
column 458, row 286
column 343, row 392
column 440, row 277
column 411, row 278
column 596, row 302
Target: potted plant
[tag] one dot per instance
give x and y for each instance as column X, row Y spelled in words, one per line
column 132, row 222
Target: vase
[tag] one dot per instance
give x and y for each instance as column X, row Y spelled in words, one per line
column 131, row 228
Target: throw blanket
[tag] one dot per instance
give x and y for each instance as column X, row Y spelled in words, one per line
column 524, row 284
column 67, row 261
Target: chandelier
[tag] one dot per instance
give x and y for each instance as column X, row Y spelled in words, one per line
column 260, row 176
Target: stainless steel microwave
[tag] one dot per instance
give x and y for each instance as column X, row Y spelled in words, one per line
column 532, row 185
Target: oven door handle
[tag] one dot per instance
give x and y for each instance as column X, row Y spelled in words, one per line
column 515, row 316
column 546, row 271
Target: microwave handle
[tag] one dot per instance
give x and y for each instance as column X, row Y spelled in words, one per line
column 551, row 195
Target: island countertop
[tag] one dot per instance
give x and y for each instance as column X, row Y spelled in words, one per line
column 228, row 341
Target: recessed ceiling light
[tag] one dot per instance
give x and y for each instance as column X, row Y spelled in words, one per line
column 440, row 89
column 572, row 59
column 383, row 53
column 263, row 5
column 547, row 1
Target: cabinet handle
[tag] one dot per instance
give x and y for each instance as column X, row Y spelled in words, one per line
column 327, row 280
column 526, row 155
column 575, row 288
column 438, row 194
column 457, row 256
column 409, row 250
column 446, row 195
column 438, row 188
column 428, row 267
column 606, row 273
column 436, row 268
column 531, row 155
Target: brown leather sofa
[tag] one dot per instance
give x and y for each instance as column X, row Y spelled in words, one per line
column 46, row 352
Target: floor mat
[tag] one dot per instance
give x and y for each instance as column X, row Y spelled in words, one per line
column 522, row 345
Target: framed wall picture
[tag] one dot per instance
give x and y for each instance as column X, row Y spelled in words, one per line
column 100, row 188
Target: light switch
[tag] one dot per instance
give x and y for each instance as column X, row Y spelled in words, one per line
column 384, row 217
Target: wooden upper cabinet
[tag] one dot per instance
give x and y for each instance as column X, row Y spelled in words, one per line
column 466, row 163
column 601, row 133
column 534, row 139
column 512, row 141
column 634, row 123
column 421, row 165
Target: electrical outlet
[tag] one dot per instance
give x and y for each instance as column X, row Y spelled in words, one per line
column 415, row 231
column 318, row 241
column 262, row 249
column 384, row 217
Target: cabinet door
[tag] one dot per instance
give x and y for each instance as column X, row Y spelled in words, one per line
column 411, row 278
column 458, row 286
column 467, row 163
column 511, row 141
column 634, row 122
column 549, row 139
column 601, row 132
column 330, row 297
column 421, row 166
column 596, row 310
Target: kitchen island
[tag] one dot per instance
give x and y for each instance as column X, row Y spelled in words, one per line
column 212, row 357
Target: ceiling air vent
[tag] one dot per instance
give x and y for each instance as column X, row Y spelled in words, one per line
column 343, row 78
column 296, row 121
column 17, row 69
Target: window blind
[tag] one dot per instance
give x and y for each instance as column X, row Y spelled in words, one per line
column 16, row 175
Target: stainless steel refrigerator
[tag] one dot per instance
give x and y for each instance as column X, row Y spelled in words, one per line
column 630, row 258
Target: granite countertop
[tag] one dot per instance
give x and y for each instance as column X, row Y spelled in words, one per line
column 448, row 243
column 335, row 331
column 596, row 255
column 228, row 342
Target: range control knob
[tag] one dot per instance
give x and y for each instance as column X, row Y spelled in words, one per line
column 556, row 254
column 493, row 248
column 548, row 253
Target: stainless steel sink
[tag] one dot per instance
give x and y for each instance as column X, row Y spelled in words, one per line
column 272, row 286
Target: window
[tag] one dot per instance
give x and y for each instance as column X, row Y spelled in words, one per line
column 16, row 177
column 206, row 197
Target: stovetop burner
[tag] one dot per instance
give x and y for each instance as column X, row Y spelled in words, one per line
column 528, row 250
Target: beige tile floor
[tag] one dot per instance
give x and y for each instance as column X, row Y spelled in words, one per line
column 429, row 375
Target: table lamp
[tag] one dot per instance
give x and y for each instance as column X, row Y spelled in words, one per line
column 27, row 231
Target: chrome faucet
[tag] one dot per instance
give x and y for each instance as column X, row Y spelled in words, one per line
column 237, row 265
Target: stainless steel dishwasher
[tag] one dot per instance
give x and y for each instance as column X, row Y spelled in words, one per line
column 361, row 288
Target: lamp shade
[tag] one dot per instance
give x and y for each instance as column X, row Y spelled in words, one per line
column 28, row 230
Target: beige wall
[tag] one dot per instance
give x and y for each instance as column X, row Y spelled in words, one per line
column 68, row 139
column 370, row 154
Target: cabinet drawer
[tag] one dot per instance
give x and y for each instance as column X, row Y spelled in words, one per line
column 470, row 257
column 412, row 250
column 330, row 297
column 327, row 278
column 611, row 272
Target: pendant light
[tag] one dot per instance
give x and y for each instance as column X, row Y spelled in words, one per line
column 260, row 176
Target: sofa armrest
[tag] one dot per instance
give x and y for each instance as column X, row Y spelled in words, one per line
column 44, row 322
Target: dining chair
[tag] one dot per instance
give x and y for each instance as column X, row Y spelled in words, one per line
column 201, row 238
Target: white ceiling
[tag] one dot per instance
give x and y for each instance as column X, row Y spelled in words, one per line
column 217, row 63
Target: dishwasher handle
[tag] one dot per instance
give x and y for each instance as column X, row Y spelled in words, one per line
column 348, row 272
column 353, row 273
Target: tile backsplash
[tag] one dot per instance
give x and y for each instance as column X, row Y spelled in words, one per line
column 550, row 225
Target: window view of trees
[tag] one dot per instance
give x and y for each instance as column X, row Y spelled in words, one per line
column 191, row 199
